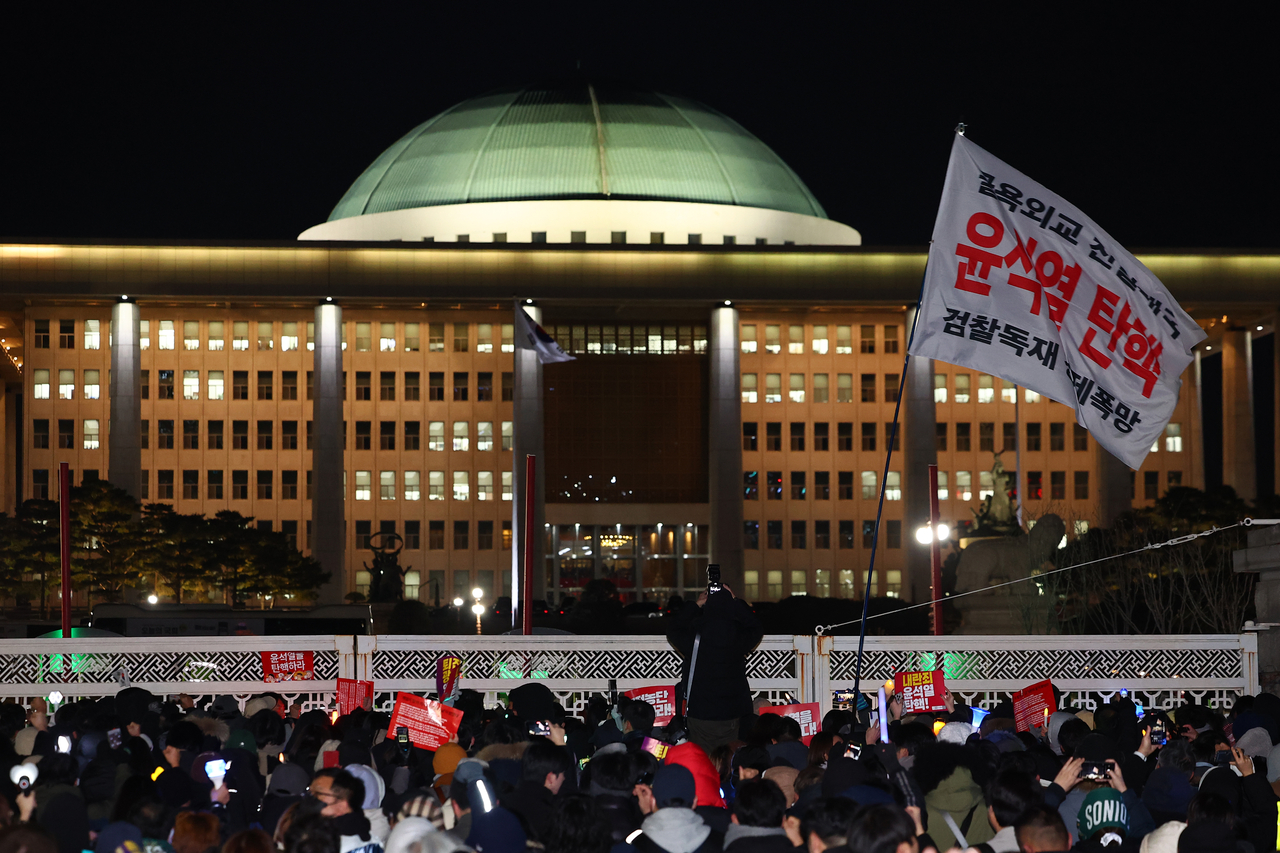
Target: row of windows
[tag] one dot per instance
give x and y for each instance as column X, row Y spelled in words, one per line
column 264, row 335
column 656, row 238
column 887, row 583
column 798, row 538
column 460, row 540
column 819, row 340
column 410, row 387
column 821, row 388
column 391, row 485
column 409, row 433
column 631, row 340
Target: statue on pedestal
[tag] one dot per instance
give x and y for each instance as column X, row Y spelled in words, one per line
column 386, row 578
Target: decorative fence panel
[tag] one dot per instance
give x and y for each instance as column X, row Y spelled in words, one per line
column 982, row 670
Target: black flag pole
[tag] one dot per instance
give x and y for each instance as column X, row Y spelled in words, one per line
column 875, row 536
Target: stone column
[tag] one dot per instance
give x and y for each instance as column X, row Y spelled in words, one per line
column 1114, row 487
column 528, row 413
column 918, row 430
column 724, row 445
column 328, row 510
column 1239, row 459
column 124, row 436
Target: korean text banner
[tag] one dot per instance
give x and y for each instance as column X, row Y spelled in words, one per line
column 808, row 715
column 663, row 700
column 1024, row 286
column 354, row 694
column 288, row 666
column 430, row 723
column 920, row 691
column 1033, row 705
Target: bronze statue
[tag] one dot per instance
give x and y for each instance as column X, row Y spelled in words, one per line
column 386, row 578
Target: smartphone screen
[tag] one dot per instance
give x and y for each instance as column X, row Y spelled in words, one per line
column 216, row 770
column 115, row 738
column 64, row 744
column 402, row 734
column 540, row 727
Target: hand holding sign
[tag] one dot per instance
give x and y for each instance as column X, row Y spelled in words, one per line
column 430, row 723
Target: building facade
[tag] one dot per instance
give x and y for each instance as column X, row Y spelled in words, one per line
column 738, row 366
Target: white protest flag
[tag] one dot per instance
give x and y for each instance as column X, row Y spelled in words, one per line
column 529, row 335
column 1022, row 285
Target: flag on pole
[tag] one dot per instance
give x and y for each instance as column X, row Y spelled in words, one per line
column 1021, row 284
column 529, row 335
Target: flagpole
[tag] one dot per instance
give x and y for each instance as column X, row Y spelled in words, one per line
column 1017, row 452
column 875, row 536
column 517, row 523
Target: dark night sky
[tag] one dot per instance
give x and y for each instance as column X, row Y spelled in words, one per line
column 245, row 125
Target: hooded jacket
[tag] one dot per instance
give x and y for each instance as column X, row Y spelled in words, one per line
column 677, row 830
column 705, row 778
column 729, row 630
column 960, row 797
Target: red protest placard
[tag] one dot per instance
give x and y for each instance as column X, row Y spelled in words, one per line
column 288, row 666
column 430, row 723
column 663, row 700
column 920, row 691
column 448, row 677
column 353, row 694
column 1030, row 705
column 807, row 715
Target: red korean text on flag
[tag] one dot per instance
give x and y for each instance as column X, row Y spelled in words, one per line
column 663, row 700
column 808, row 715
column 288, row 666
column 1022, row 285
column 920, row 691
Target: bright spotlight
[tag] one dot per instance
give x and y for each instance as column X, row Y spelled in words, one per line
column 457, row 602
column 153, row 599
column 477, row 593
column 477, row 609
column 924, row 536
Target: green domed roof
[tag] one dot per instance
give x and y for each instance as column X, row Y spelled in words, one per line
column 577, row 142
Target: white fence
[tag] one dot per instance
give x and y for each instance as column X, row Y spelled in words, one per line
column 1158, row 670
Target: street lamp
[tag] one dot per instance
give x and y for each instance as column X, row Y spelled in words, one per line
column 153, row 599
column 477, row 608
column 925, row 534
column 458, row 602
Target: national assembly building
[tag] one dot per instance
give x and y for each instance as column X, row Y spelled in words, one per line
column 737, row 361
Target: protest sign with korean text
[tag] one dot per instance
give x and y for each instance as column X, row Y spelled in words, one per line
column 448, row 677
column 663, row 700
column 288, row 666
column 1022, row 285
column 920, row 691
column 808, row 715
column 354, row 694
column 430, row 723
column 1033, row 705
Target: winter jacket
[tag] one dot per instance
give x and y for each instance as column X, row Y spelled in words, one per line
column 757, row 839
column 961, row 798
column 531, row 803
column 729, row 630
column 675, row 830
column 705, row 778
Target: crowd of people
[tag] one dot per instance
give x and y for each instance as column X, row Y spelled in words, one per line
column 137, row 773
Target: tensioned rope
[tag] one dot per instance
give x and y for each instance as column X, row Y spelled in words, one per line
column 1247, row 522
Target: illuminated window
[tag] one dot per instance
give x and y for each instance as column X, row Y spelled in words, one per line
column 964, row 486
column 191, row 385
column 215, row 340
column 266, row 338
column 893, row 486
column 796, row 391
column 748, row 337
column 435, row 337
column 795, row 340
column 868, row 485
column 940, row 388
column 773, row 579
column 944, row 492
column 507, row 486
column 844, row 340
column 435, row 435
column 387, row 337
column 986, row 389
column 461, row 435
column 166, row 336
column 484, row 337
column 412, row 339
column 240, row 336
column 985, row 488
column 484, row 485
column 92, row 385
column 91, row 434
column 144, row 334
column 387, row 485
column 749, row 392
column 364, row 337
column 1031, row 396
column 773, row 387
column 962, row 387
column 364, row 485
column 484, row 435
column 773, row 339
column 508, row 338
column 1008, row 391
column 508, row 435
column 92, row 334
column 288, row 337
column 1173, row 438
column 66, row 384
column 435, row 485
column 461, row 485
column 412, row 485
column 820, row 340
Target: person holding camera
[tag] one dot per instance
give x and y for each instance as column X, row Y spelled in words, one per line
column 714, row 635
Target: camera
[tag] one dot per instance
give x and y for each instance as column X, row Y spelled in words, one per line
column 713, row 578
column 1159, row 737
column 24, row 776
column 402, row 739
column 1096, row 771
column 1222, row 758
